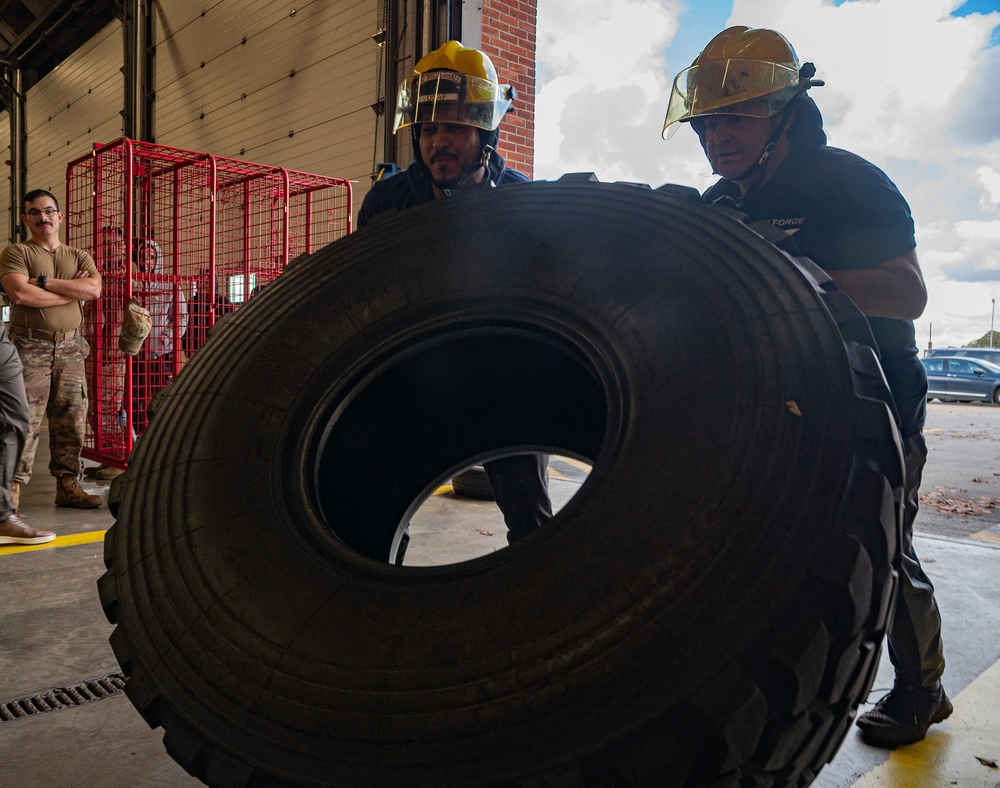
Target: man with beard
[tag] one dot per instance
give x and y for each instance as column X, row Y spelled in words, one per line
column 453, row 105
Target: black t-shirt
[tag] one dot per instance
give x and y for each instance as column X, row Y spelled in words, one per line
column 844, row 213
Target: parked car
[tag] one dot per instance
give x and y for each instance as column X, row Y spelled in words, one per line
column 985, row 353
column 953, row 378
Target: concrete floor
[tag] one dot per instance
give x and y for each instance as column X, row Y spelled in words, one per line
column 54, row 634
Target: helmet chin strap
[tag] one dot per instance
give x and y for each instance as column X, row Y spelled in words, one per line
column 758, row 169
column 484, row 163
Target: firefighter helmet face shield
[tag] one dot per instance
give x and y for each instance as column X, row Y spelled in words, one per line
column 451, row 97
column 732, row 86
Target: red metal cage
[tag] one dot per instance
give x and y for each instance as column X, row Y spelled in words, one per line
column 190, row 236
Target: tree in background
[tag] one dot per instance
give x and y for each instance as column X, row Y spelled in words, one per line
column 984, row 340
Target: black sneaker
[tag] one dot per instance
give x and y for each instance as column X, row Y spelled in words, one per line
column 903, row 716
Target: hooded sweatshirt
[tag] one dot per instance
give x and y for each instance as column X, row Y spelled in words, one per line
column 158, row 297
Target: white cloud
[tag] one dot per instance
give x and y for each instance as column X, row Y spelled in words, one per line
column 602, row 91
column 905, row 89
column 909, row 87
column 893, row 68
column 989, row 179
column 962, row 312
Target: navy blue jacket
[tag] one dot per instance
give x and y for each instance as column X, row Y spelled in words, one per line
column 412, row 187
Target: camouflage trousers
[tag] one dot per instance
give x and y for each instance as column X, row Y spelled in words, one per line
column 56, row 384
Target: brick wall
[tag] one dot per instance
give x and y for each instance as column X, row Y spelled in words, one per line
column 509, row 40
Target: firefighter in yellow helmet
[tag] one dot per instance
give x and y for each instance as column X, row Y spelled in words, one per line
column 453, row 104
column 745, row 96
column 743, row 72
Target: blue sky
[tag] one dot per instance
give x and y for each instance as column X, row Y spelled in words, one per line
column 697, row 23
column 911, row 86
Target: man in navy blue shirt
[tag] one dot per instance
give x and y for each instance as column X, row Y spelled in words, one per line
column 453, row 105
column 745, row 97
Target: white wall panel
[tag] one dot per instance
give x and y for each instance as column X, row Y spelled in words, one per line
column 224, row 83
column 77, row 104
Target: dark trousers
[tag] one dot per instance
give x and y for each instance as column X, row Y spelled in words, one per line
column 14, row 421
column 149, row 375
column 521, row 488
column 915, row 647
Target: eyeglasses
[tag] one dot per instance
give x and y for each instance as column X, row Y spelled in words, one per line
column 34, row 213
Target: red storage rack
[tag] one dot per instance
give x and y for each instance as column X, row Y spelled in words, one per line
column 225, row 227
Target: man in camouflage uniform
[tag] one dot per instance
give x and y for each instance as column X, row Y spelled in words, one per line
column 46, row 281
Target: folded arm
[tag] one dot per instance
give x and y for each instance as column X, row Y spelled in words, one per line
column 25, row 291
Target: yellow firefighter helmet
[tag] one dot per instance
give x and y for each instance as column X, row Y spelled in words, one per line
column 453, row 84
column 743, row 71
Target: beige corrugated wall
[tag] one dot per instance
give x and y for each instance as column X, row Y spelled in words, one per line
column 262, row 82
column 246, row 79
column 74, row 106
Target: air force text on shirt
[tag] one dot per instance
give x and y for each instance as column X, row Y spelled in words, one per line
column 790, row 225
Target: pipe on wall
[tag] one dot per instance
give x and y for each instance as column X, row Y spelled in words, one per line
column 13, row 87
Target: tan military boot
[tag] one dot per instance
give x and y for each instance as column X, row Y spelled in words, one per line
column 70, row 493
column 15, row 490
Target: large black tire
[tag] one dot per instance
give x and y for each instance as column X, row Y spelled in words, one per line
column 473, row 482
column 708, row 608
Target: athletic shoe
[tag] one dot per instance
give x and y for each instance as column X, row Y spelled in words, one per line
column 904, row 715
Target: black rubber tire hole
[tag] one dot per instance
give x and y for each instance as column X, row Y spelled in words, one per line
column 451, row 527
column 441, row 406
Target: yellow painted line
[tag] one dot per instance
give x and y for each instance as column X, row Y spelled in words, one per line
column 579, row 464
column 583, row 466
column 986, row 536
column 948, row 756
column 60, row 541
column 98, row 536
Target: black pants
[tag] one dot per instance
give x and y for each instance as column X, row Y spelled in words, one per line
column 915, row 648
column 521, row 488
column 14, row 420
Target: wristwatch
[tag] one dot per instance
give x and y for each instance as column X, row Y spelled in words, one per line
column 41, row 279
